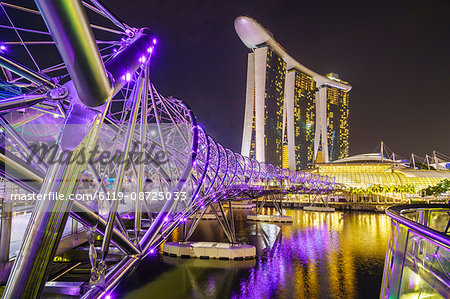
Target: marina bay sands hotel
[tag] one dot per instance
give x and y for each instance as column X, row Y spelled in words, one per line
column 293, row 116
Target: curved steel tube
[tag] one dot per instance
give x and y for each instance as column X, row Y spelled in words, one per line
column 69, row 27
column 25, row 72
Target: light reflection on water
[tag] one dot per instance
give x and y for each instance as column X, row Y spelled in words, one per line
column 320, row 255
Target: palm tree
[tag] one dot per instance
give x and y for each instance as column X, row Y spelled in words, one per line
column 387, row 189
column 411, row 190
column 396, row 189
column 377, row 189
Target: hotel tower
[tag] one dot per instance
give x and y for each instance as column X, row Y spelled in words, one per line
column 293, row 116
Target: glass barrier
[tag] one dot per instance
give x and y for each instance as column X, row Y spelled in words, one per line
column 417, row 261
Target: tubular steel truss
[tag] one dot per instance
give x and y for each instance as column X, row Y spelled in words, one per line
column 98, row 102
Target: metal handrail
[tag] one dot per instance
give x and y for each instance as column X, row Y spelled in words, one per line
column 396, row 212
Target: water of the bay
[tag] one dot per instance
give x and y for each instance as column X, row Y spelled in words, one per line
column 319, row 255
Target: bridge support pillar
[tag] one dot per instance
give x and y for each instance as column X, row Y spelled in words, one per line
column 278, row 204
column 211, row 250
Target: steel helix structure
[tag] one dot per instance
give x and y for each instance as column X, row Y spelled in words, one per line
column 83, row 122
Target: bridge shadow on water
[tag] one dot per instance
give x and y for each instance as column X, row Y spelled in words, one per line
column 319, row 255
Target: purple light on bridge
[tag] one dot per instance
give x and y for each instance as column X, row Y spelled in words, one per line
column 2, row 48
column 154, row 41
column 127, row 216
column 128, row 77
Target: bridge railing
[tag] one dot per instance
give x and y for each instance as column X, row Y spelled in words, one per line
column 417, row 261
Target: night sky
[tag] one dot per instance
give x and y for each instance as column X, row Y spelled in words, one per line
column 395, row 54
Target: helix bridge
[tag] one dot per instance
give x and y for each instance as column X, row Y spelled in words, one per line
column 81, row 116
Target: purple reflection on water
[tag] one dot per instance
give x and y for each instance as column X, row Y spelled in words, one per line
column 277, row 268
column 211, row 283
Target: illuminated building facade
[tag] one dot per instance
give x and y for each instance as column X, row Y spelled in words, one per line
column 368, row 170
column 273, row 107
column 300, row 118
column 285, row 163
column 337, row 123
column 264, row 106
column 287, row 103
column 334, row 129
